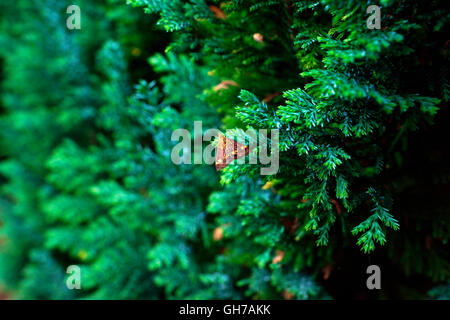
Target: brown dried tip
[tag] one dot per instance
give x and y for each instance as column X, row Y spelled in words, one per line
column 270, row 97
column 287, row 295
column 258, row 37
column 136, row 52
column 290, row 226
column 225, row 84
column 337, row 205
column 428, row 242
column 218, row 234
column 279, row 256
column 327, row 271
column 219, row 14
column 143, row 192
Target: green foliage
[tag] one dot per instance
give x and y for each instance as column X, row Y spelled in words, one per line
column 440, row 292
column 344, row 124
column 51, row 102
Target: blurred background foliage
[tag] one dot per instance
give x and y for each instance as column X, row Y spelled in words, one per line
column 86, row 178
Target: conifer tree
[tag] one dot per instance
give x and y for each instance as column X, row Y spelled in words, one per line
column 50, row 98
column 44, row 98
column 357, row 124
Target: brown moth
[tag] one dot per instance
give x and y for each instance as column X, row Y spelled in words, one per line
column 229, row 150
